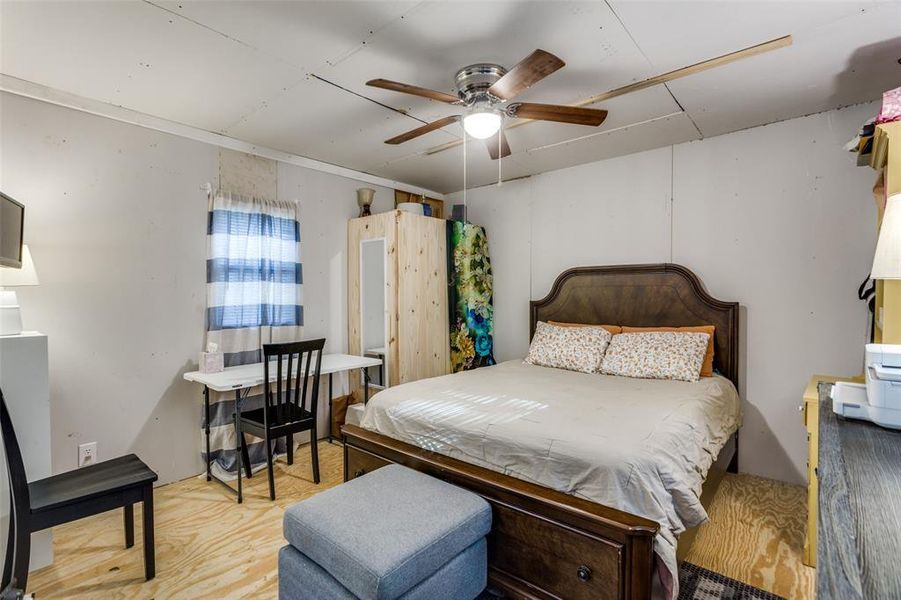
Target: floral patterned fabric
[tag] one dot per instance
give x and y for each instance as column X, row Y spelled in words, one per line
column 658, row 355
column 571, row 348
column 469, row 297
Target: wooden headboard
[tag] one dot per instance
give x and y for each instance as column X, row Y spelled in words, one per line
column 642, row 296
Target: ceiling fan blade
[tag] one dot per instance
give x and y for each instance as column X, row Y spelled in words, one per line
column 525, row 74
column 415, row 133
column 492, row 145
column 558, row 113
column 415, row 90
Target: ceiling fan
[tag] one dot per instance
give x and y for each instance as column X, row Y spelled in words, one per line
column 485, row 90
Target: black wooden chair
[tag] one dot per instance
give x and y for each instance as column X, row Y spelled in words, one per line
column 117, row 483
column 284, row 413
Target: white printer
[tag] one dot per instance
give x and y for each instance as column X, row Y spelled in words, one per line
column 879, row 399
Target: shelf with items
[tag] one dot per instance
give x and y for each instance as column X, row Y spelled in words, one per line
column 435, row 206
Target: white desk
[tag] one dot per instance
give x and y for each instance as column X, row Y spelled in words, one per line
column 242, row 378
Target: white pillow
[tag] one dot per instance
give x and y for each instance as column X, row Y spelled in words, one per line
column 656, row 355
column 571, row 348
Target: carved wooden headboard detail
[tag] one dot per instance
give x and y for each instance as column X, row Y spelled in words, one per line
column 642, row 296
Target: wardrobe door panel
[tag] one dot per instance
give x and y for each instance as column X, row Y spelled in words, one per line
column 422, row 298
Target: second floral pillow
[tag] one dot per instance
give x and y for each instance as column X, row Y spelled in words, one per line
column 658, row 355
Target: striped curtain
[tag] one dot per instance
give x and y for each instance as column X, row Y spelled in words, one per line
column 254, row 297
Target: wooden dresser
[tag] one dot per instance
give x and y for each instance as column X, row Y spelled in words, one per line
column 859, row 527
column 810, row 410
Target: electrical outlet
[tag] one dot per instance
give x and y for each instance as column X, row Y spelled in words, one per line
column 87, row 454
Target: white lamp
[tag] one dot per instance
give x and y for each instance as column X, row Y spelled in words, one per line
column 10, row 313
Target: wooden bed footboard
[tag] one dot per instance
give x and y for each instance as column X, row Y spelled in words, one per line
column 543, row 544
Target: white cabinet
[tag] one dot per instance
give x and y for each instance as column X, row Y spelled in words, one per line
column 25, row 383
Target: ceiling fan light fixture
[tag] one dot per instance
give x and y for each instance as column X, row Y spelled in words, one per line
column 482, row 123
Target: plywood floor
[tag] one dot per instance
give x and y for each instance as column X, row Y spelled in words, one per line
column 756, row 535
column 210, row 547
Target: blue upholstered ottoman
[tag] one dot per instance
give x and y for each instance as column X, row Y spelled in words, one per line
column 393, row 533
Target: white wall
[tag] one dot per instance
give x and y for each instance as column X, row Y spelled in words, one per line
column 776, row 217
column 116, row 221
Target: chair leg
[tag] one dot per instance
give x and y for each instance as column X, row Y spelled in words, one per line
column 289, row 440
column 245, row 457
column 10, row 546
column 129, row 514
column 21, row 560
column 314, row 451
column 270, row 468
column 149, row 547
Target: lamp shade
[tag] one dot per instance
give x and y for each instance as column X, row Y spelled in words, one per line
column 27, row 275
column 887, row 261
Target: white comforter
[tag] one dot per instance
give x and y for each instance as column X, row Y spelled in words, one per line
column 639, row 445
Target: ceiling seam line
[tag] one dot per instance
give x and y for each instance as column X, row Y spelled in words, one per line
column 264, row 104
column 278, row 58
column 651, row 65
column 341, row 87
column 242, row 118
column 682, row 108
column 217, row 32
column 629, row 33
column 337, row 60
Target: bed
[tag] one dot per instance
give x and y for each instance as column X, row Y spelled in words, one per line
column 569, row 460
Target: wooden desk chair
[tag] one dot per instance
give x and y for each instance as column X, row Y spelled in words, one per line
column 117, row 483
column 283, row 413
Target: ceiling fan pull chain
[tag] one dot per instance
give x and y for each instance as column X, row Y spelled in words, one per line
column 465, row 215
column 500, row 156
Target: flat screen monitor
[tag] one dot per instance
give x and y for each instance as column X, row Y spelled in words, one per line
column 12, row 222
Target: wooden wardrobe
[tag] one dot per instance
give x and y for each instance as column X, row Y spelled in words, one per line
column 415, row 283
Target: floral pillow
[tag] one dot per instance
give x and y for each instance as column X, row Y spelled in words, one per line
column 571, row 348
column 657, row 355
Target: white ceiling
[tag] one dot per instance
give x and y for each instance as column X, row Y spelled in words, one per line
column 246, row 70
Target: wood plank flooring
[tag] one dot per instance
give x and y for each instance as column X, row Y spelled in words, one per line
column 210, row 547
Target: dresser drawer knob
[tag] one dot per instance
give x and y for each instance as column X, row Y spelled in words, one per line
column 584, row 573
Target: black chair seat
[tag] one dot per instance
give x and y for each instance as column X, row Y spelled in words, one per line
column 278, row 415
column 89, row 482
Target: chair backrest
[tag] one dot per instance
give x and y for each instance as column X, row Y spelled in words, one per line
column 19, row 500
column 309, row 362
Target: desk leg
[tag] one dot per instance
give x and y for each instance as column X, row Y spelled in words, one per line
column 206, row 409
column 365, row 385
column 330, row 398
column 238, row 462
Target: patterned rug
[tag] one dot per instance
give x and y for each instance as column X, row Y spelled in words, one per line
column 696, row 583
